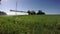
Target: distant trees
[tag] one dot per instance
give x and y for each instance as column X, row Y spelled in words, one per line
column 2, row 13
column 40, row 12
column 32, row 12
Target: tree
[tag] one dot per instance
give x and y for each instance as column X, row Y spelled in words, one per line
column 2, row 13
column 40, row 12
column 28, row 12
column 32, row 12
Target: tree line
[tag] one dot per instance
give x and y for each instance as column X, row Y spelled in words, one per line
column 2, row 13
column 30, row 12
column 34, row 12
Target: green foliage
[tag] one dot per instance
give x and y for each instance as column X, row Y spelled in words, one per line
column 31, row 24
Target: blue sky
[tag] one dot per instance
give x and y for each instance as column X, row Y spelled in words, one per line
column 47, row 6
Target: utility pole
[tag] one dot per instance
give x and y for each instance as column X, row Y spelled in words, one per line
column 16, row 7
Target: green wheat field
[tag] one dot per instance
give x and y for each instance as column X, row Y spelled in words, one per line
column 30, row 24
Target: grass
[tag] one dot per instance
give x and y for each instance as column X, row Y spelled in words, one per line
column 30, row 24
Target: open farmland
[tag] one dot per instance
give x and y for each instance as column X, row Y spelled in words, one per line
column 30, row 24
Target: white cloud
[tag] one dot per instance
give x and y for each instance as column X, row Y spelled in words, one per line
column 14, row 13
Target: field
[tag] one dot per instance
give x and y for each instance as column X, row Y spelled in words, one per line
column 30, row 24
